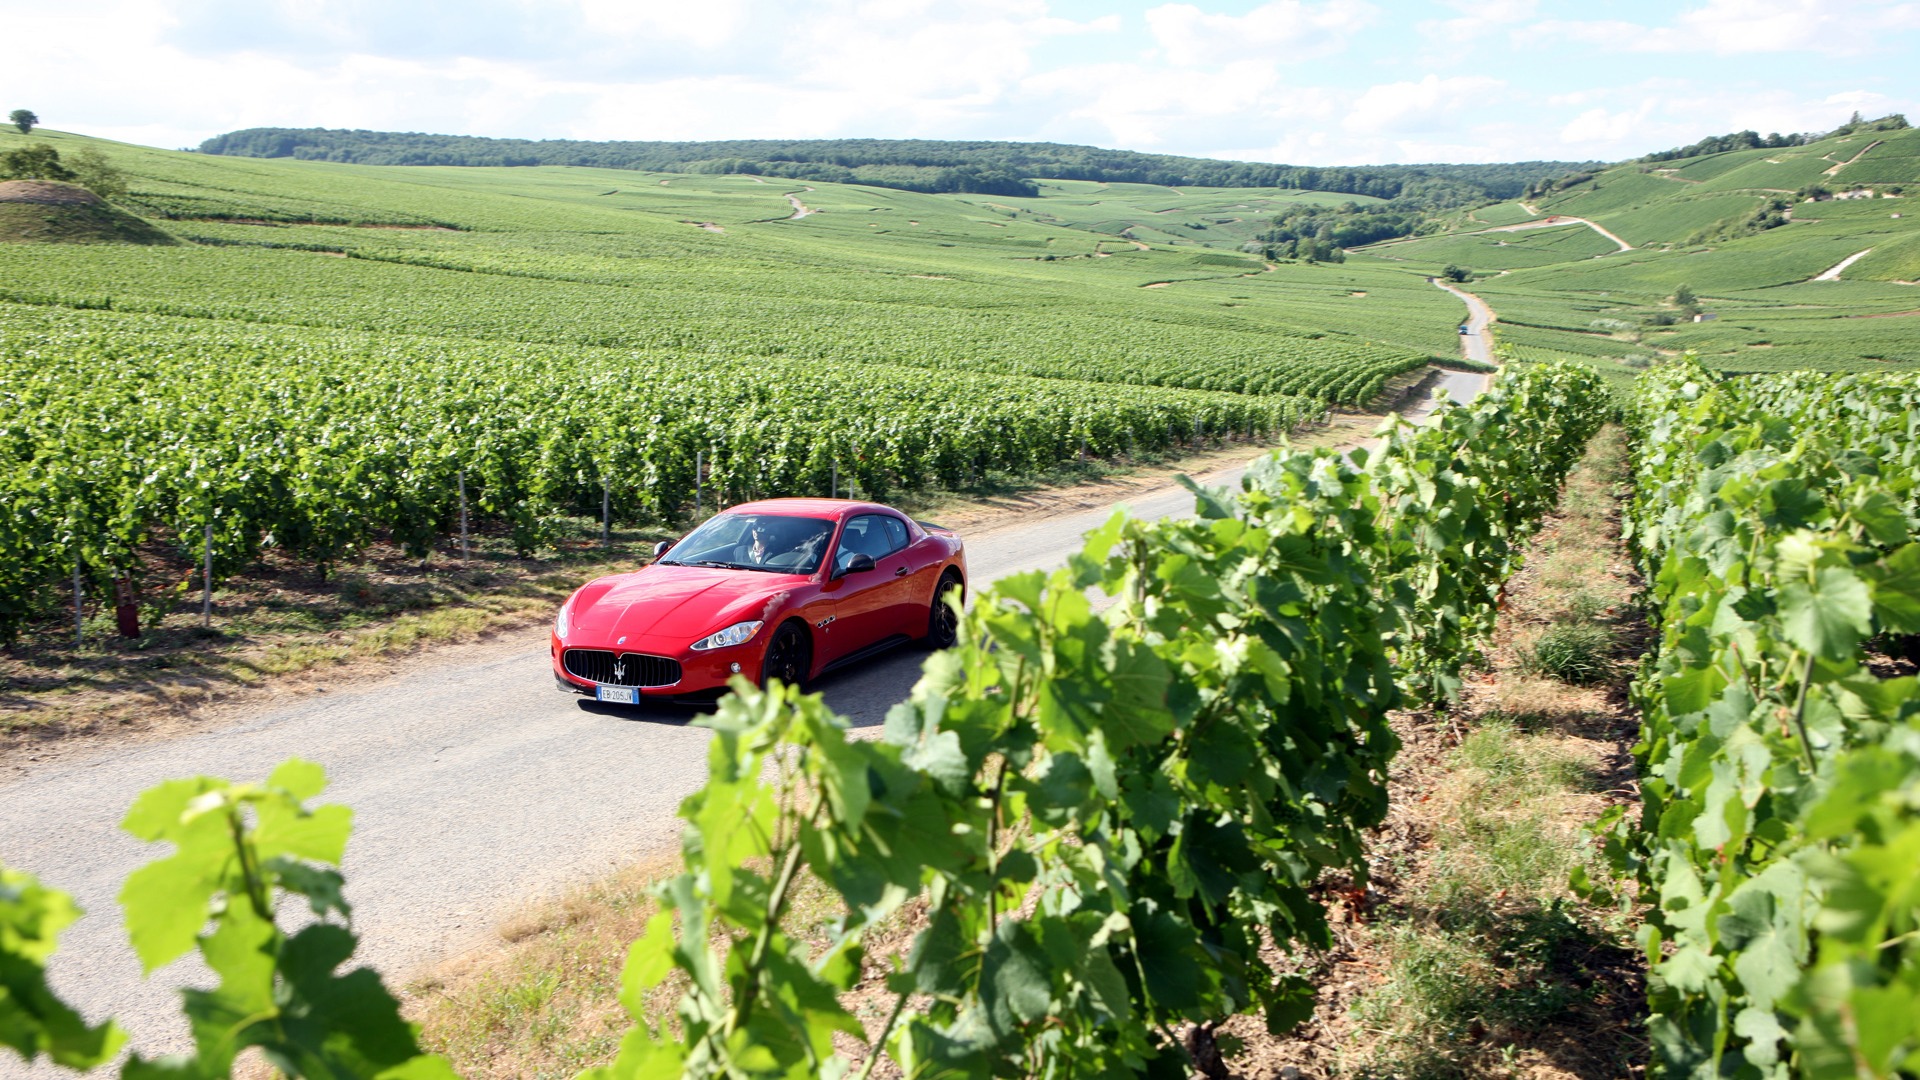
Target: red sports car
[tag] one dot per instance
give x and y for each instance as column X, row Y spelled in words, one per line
column 786, row 589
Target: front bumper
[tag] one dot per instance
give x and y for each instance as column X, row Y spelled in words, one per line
column 704, row 675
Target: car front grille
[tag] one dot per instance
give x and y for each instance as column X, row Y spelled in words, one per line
column 627, row 669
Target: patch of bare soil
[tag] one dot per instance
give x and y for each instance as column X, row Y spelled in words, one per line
column 47, row 193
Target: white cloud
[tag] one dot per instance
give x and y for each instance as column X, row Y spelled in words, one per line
column 1744, row 27
column 1477, row 20
column 708, row 24
column 1178, row 78
column 1280, row 29
column 1601, row 127
column 1140, row 106
column 1431, row 104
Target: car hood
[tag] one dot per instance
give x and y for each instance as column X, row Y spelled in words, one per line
column 671, row 606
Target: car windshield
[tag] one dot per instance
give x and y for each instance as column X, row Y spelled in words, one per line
column 771, row 542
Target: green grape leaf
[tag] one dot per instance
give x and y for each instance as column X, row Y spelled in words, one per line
column 1828, row 617
column 33, row 1020
column 1896, row 589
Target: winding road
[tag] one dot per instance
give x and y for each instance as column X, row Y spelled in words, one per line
column 475, row 785
column 1477, row 342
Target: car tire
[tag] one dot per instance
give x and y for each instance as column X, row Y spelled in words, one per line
column 789, row 657
column 943, row 623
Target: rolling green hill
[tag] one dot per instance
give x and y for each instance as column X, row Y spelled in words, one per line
column 1748, row 230
column 721, row 265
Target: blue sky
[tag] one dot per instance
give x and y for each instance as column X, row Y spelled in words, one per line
column 1319, row 82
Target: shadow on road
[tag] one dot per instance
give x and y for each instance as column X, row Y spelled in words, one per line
column 667, row 714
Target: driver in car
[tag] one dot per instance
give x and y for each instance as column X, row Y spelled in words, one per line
column 769, row 545
column 760, row 544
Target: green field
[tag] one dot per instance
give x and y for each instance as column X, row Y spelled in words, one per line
column 1498, row 214
column 1207, row 217
column 1567, row 291
column 1499, row 250
column 718, row 265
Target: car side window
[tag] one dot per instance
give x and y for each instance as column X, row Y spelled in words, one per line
column 864, row 535
column 896, row 533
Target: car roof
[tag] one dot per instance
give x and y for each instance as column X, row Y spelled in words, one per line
column 835, row 508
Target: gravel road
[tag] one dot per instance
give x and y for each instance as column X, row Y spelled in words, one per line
column 475, row 785
column 1476, row 343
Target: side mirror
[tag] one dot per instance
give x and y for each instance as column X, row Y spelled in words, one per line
column 859, row 563
column 661, row 548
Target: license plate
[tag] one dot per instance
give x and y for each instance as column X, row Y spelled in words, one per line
column 618, row 695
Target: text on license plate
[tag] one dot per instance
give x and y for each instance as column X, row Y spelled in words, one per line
column 619, row 695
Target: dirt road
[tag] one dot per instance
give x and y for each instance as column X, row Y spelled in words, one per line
column 1476, row 343
column 1833, row 273
column 1558, row 222
column 475, row 786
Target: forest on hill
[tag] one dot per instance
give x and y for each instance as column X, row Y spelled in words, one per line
column 992, row 168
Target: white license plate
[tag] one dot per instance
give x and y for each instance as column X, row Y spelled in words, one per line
column 618, row 695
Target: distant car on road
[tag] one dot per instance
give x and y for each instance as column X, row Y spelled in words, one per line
column 1463, row 328
column 784, row 588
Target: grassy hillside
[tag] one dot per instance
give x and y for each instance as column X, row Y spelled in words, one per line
column 1208, row 217
column 721, row 265
column 1746, row 230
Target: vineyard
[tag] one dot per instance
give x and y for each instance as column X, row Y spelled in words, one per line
column 123, row 431
column 1780, row 756
column 1106, row 816
column 334, row 355
column 713, row 265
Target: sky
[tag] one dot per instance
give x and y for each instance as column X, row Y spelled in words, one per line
column 1307, row 82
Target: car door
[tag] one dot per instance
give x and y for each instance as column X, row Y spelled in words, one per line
column 868, row 601
column 914, row 570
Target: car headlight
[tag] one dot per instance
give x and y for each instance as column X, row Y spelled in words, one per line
column 737, row 634
column 560, row 623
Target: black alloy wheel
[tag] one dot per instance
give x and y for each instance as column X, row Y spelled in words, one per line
column 943, row 621
column 786, row 658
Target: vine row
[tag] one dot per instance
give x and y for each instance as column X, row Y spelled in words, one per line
column 1778, row 847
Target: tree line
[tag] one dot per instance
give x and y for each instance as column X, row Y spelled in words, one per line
column 935, row 166
column 1753, row 140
